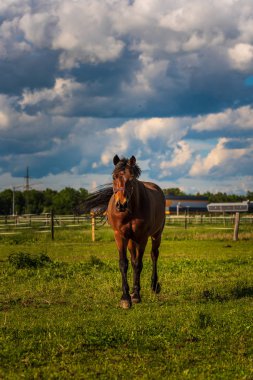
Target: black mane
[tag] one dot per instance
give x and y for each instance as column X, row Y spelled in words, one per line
column 123, row 163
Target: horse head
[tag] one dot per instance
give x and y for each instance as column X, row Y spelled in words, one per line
column 124, row 173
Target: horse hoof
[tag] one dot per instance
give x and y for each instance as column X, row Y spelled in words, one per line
column 156, row 289
column 135, row 298
column 125, row 304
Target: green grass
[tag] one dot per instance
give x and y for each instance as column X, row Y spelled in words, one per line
column 61, row 319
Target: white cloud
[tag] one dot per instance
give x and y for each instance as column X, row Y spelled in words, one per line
column 39, row 28
column 231, row 119
column 12, row 8
column 5, row 112
column 4, row 120
column 8, row 115
column 62, row 91
column 181, row 155
column 224, row 161
column 95, row 31
column 10, row 45
column 241, row 56
column 85, row 33
column 144, row 135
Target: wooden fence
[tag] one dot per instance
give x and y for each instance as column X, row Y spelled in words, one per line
column 225, row 220
column 68, row 221
column 40, row 221
column 50, row 222
column 47, row 222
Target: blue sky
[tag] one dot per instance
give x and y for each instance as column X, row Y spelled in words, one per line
column 170, row 82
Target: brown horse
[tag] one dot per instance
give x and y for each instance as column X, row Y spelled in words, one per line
column 136, row 211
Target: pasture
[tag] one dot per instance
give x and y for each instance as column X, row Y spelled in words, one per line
column 60, row 314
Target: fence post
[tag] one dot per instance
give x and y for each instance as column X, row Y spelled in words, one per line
column 185, row 220
column 236, row 228
column 52, row 224
column 93, row 226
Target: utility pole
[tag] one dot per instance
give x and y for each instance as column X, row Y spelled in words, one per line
column 14, row 188
column 28, row 187
column 13, row 201
column 27, row 179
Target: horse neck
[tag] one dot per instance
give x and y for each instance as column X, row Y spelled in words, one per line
column 138, row 194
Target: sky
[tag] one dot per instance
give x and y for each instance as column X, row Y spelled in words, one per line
column 170, row 82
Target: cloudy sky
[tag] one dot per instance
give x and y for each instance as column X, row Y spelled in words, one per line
column 170, row 82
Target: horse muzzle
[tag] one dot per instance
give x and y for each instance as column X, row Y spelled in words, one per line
column 121, row 207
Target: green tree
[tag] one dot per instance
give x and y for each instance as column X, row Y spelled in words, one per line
column 49, row 196
column 83, row 194
column 66, row 201
column 249, row 196
column 173, row 191
column 223, row 197
column 19, row 202
column 6, row 202
column 34, row 201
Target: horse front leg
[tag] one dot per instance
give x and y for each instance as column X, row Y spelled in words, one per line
column 137, row 252
column 125, row 301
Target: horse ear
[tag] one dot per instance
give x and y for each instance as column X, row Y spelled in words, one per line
column 132, row 161
column 116, row 159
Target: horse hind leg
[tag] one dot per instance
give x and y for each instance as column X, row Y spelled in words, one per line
column 156, row 241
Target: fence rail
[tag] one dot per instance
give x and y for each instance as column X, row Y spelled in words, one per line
column 44, row 221
column 208, row 219
column 41, row 221
column 49, row 222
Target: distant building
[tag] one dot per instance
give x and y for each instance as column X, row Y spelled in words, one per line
column 176, row 204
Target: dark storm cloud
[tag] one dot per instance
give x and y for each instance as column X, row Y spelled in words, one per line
column 108, row 76
column 33, row 70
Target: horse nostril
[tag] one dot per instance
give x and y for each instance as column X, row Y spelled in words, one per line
column 120, row 206
column 124, row 206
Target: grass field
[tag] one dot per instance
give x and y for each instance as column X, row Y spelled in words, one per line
column 60, row 318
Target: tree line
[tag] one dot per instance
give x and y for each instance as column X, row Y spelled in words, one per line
column 65, row 201
column 213, row 197
column 69, row 200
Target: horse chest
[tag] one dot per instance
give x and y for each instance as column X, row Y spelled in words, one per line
column 132, row 230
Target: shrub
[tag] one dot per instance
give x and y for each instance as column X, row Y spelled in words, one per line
column 21, row 260
column 94, row 261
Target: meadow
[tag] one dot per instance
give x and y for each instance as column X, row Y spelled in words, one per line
column 60, row 314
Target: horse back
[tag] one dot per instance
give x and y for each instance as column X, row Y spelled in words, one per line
column 155, row 194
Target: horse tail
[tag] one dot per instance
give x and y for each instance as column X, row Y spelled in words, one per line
column 97, row 202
